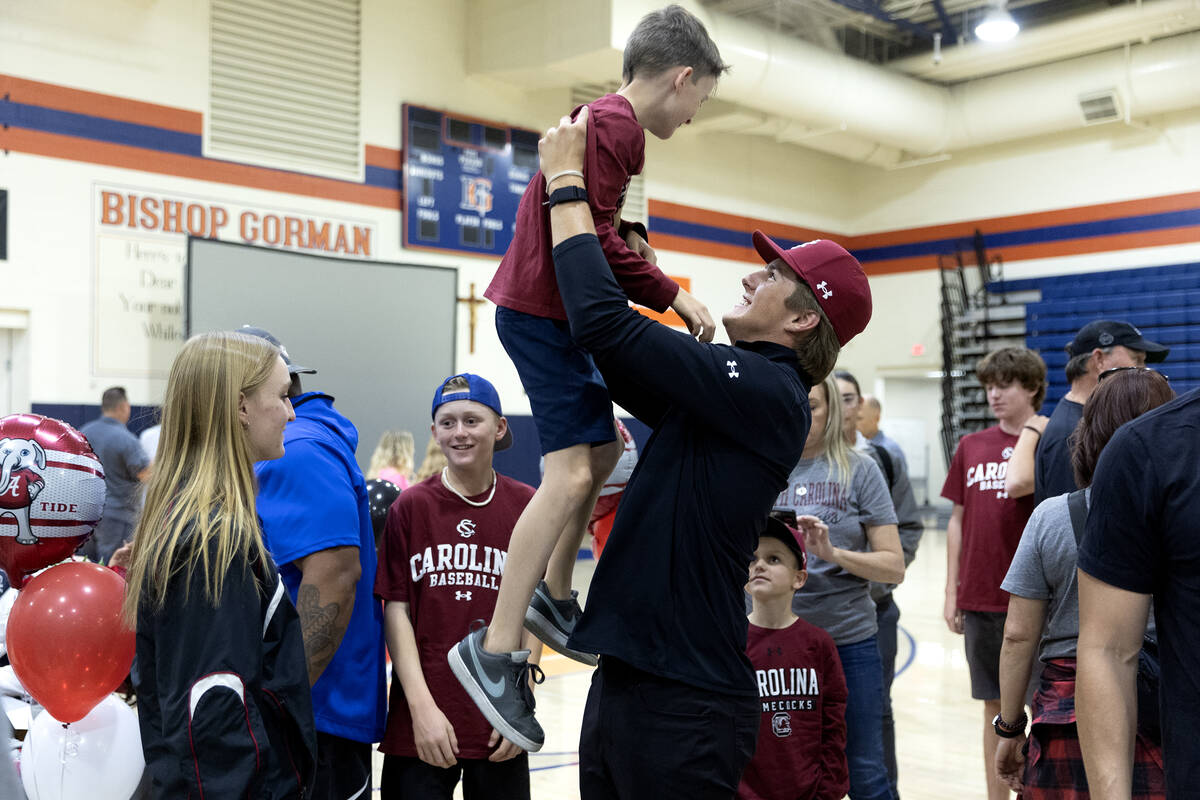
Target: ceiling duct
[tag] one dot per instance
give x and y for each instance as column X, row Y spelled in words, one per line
column 1100, row 107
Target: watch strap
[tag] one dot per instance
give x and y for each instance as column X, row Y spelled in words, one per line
column 567, row 194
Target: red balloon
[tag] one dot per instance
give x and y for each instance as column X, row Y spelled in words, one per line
column 51, row 493
column 66, row 639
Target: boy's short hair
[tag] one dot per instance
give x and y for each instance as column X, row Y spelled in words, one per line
column 1002, row 367
column 671, row 37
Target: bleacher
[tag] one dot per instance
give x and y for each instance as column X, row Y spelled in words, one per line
column 1164, row 302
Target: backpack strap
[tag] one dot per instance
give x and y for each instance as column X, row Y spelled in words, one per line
column 885, row 460
column 1077, row 505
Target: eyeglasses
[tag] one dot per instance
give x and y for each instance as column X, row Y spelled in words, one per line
column 1108, row 372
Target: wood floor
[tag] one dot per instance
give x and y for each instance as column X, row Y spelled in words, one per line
column 938, row 726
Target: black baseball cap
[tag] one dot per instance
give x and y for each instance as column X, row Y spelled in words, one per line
column 263, row 333
column 778, row 529
column 1111, row 332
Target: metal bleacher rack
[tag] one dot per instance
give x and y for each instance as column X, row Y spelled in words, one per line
column 979, row 314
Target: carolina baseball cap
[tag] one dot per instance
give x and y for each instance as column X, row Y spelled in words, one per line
column 1110, row 332
column 778, row 529
column 835, row 276
column 466, row 386
column 262, row 333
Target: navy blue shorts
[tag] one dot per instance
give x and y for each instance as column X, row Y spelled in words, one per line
column 567, row 395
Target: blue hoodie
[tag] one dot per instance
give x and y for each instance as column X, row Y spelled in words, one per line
column 312, row 499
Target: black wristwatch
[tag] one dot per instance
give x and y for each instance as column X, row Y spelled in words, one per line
column 1012, row 730
column 567, row 194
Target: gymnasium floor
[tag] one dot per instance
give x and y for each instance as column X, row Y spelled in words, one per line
column 938, row 726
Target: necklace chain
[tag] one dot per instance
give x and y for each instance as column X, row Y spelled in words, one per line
column 461, row 496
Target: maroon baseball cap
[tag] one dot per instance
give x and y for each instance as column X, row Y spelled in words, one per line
column 778, row 529
column 835, row 277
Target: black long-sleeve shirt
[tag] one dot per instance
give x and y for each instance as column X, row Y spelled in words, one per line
column 729, row 424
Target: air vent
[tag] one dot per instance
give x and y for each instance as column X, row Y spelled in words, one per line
column 285, row 85
column 635, row 208
column 1100, row 107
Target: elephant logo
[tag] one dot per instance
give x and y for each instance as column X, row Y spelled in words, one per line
column 22, row 462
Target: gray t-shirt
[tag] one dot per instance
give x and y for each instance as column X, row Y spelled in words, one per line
column 1044, row 569
column 832, row 598
column 122, row 457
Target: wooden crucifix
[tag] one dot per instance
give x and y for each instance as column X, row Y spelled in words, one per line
column 473, row 303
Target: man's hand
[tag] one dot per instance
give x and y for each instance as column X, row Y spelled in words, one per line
column 563, row 147
column 434, row 736
column 695, row 315
column 640, row 246
column 953, row 614
column 505, row 751
column 1010, row 762
column 816, row 536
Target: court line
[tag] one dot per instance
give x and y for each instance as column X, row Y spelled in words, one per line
column 912, row 651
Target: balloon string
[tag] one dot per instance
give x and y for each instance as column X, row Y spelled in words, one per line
column 62, row 761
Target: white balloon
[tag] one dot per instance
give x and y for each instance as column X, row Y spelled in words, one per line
column 99, row 757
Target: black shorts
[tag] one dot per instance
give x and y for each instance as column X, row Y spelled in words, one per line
column 343, row 769
column 983, row 634
column 406, row 778
column 567, row 395
column 643, row 735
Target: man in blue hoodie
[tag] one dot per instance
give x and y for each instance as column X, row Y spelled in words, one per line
column 317, row 525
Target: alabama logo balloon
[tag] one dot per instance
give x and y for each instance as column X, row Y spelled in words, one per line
column 51, row 493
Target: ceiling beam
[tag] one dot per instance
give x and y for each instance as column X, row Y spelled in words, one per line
column 871, row 8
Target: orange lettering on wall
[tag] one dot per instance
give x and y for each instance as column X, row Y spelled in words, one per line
column 248, row 226
column 295, row 230
column 149, row 217
column 362, row 241
column 172, row 210
column 218, row 220
column 342, row 245
column 110, row 212
column 668, row 317
column 318, row 238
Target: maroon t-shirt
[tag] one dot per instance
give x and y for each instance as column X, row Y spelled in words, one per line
column 992, row 521
column 802, row 735
column 616, row 149
column 444, row 558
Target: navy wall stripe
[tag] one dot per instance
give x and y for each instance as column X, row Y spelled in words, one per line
column 20, row 115
column 383, row 177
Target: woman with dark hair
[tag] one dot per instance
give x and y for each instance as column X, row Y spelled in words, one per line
column 1044, row 604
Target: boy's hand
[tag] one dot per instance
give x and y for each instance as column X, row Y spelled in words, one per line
column 434, row 736
column 505, row 751
column 953, row 614
column 563, row 147
column 695, row 315
column 640, row 246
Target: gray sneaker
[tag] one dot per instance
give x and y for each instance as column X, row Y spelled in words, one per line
column 499, row 685
column 552, row 621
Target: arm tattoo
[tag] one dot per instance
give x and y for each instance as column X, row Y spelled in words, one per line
column 319, row 629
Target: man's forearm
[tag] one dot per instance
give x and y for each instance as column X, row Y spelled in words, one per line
column 325, row 602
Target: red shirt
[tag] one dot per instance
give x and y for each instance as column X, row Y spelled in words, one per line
column 802, row 736
column 444, row 558
column 17, row 494
column 992, row 521
column 616, row 150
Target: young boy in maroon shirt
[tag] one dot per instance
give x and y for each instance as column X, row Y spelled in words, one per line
column 985, row 527
column 670, row 68
column 442, row 553
column 802, row 735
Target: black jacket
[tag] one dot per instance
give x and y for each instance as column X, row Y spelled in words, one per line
column 729, row 425
column 223, row 697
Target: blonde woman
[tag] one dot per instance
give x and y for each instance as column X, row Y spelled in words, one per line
column 221, row 678
column 393, row 459
column 433, row 463
column 842, row 504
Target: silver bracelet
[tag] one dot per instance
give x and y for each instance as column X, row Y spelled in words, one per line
column 563, row 174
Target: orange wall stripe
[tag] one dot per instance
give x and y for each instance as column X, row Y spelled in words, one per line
column 116, row 155
column 384, row 157
column 61, row 98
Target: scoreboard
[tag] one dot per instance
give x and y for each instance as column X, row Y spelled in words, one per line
column 463, row 180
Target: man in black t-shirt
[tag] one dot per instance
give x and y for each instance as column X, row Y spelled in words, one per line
column 1141, row 542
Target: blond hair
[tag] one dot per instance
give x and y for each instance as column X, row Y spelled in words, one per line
column 433, row 462
column 199, row 511
column 834, row 449
column 395, row 450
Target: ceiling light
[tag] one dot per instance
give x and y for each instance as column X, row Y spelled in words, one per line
column 997, row 25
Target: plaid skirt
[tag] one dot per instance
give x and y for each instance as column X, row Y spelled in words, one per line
column 1053, row 758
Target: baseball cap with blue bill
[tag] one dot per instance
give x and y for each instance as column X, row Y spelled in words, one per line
column 263, row 333
column 467, row 386
column 1110, row 333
